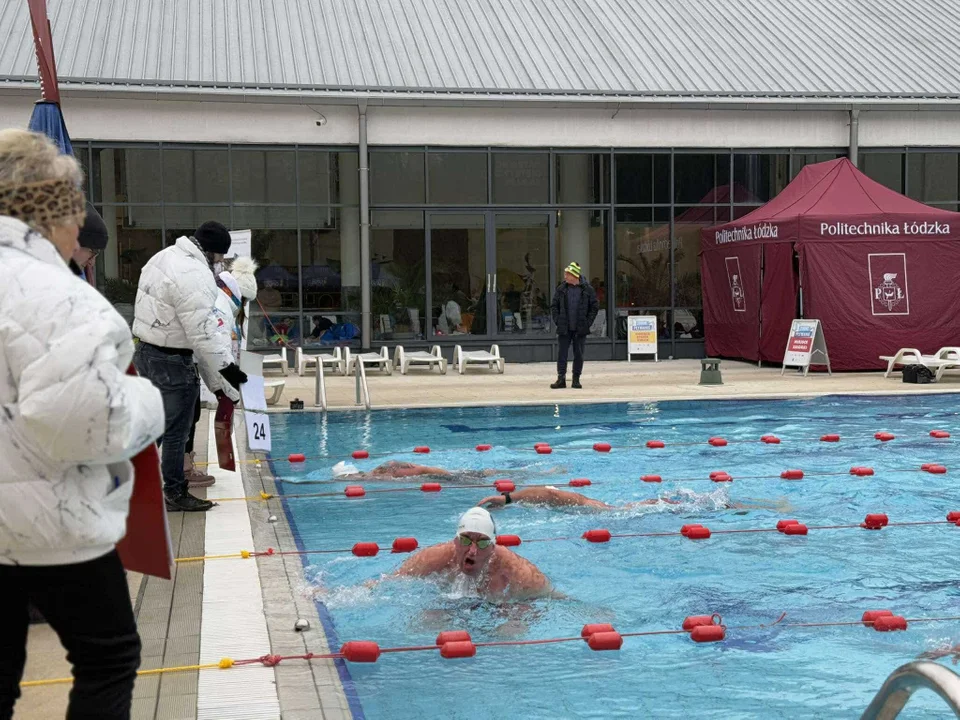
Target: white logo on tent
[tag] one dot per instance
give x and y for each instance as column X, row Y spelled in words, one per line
column 888, row 293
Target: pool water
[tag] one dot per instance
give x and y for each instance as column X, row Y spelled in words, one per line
column 640, row 584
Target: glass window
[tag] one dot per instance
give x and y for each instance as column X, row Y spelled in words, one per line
column 687, row 324
column 933, row 176
column 329, row 177
column 759, row 177
column 133, row 241
column 275, row 318
column 397, row 275
column 126, row 175
column 642, row 237
column 185, row 219
column 701, row 178
column 246, row 217
column 800, row 161
column 457, row 178
column 396, row 177
column 264, row 176
column 687, row 224
column 643, row 178
column 582, row 238
column 582, row 178
column 885, row 168
column 458, row 273
column 196, row 176
column 521, row 178
column 521, row 281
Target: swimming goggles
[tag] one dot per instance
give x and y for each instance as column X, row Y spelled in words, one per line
column 468, row 541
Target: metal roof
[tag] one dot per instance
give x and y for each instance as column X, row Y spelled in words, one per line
column 656, row 49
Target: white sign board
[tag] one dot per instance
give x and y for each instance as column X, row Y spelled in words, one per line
column 241, row 243
column 255, row 403
column 805, row 343
column 642, row 336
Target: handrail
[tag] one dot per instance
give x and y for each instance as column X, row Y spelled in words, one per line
column 360, row 369
column 320, row 399
column 906, row 680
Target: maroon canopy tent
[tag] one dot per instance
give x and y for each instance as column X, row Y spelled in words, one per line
column 879, row 270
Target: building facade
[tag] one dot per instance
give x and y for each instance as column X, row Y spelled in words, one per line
column 444, row 213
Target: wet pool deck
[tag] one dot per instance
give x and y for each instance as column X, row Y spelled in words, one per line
column 171, row 613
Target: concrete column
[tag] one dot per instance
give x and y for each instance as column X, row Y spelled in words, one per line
column 575, row 224
column 349, row 221
column 364, row 173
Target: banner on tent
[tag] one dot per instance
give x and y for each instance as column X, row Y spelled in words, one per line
column 805, row 342
column 642, row 336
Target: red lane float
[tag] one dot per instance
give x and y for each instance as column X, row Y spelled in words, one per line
column 405, row 545
column 579, row 482
column 770, row 440
column 698, row 533
column 870, row 615
column 708, row 633
column 934, row 468
column 360, row 454
column 717, row 442
column 792, row 475
column 953, row 516
column 875, row 521
column 484, row 448
column 830, row 438
column 795, row 529
column 721, row 476
column 504, row 486
column 781, row 524
column 354, row 491
column 940, row 434
column 431, row 487
column 297, row 458
column 508, row 540
column 458, row 649
column 592, row 628
column 544, row 450
column 453, row 636
column 610, row 640
column 365, row 549
column 602, row 447
column 540, row 444
column 422, row 450
column 885, row 436
column 651, row 478
column 888, row 623
column 655, row 444
column 861, row 471
column 693, row 621
column 687, row 528
column 360, row 651
column 600, row 535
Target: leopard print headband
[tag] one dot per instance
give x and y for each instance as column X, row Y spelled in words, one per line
column 45, row 204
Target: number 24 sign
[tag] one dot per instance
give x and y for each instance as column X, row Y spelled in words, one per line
column 258, row 431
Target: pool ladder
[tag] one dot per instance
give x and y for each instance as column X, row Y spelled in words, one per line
column 320, row 399
column 363, row 390
column 906, row 680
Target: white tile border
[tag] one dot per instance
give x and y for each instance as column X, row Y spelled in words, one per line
column 233, row 622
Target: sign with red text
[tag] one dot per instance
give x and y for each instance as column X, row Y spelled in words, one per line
column 806, row 346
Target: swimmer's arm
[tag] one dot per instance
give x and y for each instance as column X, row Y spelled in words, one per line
column 426, row 562
column 544, row 496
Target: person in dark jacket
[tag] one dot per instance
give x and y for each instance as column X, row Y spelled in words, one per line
column 575, row 307
column 93, row 240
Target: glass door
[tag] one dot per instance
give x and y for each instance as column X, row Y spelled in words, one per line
column 459, row 280
column 520, row 263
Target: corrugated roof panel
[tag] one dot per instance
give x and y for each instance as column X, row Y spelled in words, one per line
column 692, row 48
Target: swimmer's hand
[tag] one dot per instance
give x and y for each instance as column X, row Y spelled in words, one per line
column 494, row 501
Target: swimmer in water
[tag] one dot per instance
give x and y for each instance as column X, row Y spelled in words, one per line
column 552, row 497
column 397, row 470
column 474, row 553
column 942, row 652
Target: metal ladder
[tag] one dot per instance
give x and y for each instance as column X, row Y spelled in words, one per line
column 363, row 392
column 320, row 399
column 906, row 680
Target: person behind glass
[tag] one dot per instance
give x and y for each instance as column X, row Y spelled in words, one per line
column 180, row 333
column 93, row 240
column 575, row 307
column 72, row 419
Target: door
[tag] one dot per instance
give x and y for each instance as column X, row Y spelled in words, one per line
column 520, row 263
column 459, row 278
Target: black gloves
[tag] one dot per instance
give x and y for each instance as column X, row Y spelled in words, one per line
column 234, row 375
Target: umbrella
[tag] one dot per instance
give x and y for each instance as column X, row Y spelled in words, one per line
column 48, row 119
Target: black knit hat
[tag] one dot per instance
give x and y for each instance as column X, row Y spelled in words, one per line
column 213, row 237
column 93, row 234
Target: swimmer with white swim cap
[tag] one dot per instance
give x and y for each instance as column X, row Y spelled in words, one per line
column 474, row 553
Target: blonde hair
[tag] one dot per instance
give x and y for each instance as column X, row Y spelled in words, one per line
column 28, row 157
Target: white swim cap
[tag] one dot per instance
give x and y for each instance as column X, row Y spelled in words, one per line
column 477, row 520
column 342, row 468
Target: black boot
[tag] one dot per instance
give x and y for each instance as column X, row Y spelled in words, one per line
column 187, row 503
column 576, row 383
column 560, row 383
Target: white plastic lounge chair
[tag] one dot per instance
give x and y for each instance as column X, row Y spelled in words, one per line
column 275, row 388
column 912, row 356
column 941, row 365
column 381, row 359
column 462, row 358
column 404, row 360
column 335, row 360
column 277, row 360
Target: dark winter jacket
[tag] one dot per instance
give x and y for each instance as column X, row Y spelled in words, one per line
column 587, row 309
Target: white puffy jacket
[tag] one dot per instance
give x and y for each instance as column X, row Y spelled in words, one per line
column 175, row 309
column 70, row 418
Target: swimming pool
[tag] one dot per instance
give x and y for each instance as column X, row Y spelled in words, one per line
column 650, row 583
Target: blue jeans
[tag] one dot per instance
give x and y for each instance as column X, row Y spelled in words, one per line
column 175, row 376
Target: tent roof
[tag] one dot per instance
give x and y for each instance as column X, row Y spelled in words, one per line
column 837, row 192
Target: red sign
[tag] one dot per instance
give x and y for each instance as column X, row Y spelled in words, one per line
column 800, row 344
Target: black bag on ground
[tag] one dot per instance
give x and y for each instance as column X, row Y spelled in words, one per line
column 919, row 374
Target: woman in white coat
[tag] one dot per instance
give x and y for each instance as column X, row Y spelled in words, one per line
column 70, row 420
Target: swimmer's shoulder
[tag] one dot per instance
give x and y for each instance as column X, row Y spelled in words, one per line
column 429, row 560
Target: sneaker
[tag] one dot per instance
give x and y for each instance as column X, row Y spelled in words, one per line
column 576, row 384
column 195, row 478
column 187, row 503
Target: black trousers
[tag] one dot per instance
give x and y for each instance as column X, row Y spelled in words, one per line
column 577, row 342
column 88, row 605
column 193, row 428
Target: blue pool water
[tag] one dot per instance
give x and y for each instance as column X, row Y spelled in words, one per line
column 643, row 583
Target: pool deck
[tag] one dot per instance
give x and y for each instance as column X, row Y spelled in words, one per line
column 182, row 621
